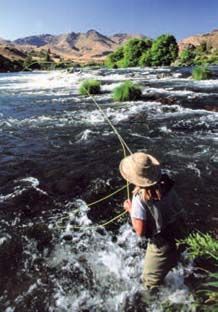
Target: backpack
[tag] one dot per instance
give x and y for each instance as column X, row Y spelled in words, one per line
column 166, row 217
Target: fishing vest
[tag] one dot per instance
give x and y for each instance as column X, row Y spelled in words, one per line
column 161, row 214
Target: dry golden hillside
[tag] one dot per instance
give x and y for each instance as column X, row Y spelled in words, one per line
column 211, row 40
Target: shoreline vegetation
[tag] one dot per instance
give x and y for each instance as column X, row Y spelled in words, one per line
column 202, row 248
column 164, row 51
column 136, row 52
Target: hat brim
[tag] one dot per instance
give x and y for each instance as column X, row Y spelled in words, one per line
column 130, row 176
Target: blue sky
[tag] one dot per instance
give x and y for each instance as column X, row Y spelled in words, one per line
column 19, row 18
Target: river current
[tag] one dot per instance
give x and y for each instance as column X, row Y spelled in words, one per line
column 57, row 154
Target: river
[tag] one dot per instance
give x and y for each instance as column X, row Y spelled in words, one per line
column 58, row 154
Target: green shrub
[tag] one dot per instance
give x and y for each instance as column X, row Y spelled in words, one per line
column 201, row 59
column 146, row 59
column 201, row 72
column 128, row 55
column 144, row 52
column 113, row 58
column 164, row 50
column 204, row 245
column 90, row 86
column 127, row 91
column 48, row 56
column 200, row 244
column 213, row 58
column 202, row 48
column 187, row 56
column 133, row 50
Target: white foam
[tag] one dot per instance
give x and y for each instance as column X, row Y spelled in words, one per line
column 116, row 114
column 170, row 91
column 9, row 309
column 105, row 267
column 194, row 168
column 2, row 240
column 85, row 135
column 21, row 187
column 165, row 129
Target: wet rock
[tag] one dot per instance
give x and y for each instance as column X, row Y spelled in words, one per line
column 164, row 75
column 67, row 237
column 101, row 231
column 42, row 234
column 211, row 108
column 162, row 99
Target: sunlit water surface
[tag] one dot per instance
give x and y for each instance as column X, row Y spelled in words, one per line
column 58, row 154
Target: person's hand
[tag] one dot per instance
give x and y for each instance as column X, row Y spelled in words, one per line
column 127, row 205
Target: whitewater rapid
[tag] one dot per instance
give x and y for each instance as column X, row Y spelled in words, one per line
column 58, row 154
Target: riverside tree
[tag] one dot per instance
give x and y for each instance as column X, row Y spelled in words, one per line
column 164, row 50
column 112, row 61
column 146, row 59
column 129, row 54
column 133, row 50
column 144, row 52
column 48, row 56
column 187, row 56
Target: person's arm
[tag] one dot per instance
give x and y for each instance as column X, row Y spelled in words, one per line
column 137, row 223
column 139, row 226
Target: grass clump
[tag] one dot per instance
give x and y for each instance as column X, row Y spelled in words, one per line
column 127, row 91
column 204, row 245
column 201, row 73
column 200, row 244
column 90, row 86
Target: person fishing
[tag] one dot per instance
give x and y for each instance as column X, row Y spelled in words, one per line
column 155, row 213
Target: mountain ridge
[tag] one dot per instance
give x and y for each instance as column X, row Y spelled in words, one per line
column 88, row 45
column 210, row 38
column 85, row 46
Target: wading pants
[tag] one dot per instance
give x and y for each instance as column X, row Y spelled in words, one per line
column 160, row 258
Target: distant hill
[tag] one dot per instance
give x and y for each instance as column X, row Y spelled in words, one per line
column 211, row 39
column 10, row 58
column 80, row 46
column 83, row 47
column 121, row 38
column 3, row 41
column 37, row 41
column 11, row 52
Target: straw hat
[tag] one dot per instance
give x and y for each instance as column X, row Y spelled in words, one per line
column 140, row 169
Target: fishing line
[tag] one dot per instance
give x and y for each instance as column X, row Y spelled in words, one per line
column 96, row 202
column 122, row 141
column 125, row 148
